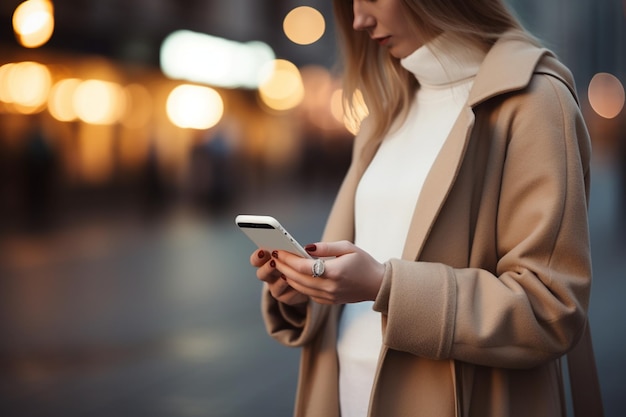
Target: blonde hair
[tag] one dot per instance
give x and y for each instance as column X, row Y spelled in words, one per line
column 386, row 87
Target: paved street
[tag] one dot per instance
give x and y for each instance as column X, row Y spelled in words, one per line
column 118, row 316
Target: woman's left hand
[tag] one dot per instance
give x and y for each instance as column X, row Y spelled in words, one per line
column 350, row 276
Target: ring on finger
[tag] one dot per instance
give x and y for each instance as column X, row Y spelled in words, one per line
column 318, row 268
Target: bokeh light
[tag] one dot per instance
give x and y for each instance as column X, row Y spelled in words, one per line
column 194, row 107
column 606, row 95
column 138, row 106
column 26, row 85
column 304, row 25
column 61, row 100
column 99, row 102
column 206, row 59
column 5, row 73
column 33, row 22
column 351, row 122
column 319, row 86
column 283, row 89
column 336, row 105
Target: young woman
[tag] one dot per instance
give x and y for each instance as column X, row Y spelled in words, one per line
column 457, row 265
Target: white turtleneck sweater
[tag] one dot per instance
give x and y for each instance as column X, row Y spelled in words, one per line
column 388, row 192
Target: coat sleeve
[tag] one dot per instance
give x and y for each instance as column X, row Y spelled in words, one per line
column 531, row 307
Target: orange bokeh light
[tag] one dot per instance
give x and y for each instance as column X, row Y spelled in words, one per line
column 606, row 95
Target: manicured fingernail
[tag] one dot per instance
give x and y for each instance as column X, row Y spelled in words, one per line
column 261, row 254
column 282, row 276
column 311, row 247
column 275, row 254
column 273, row 264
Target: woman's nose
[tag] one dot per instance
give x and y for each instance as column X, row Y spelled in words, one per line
column 362, row 19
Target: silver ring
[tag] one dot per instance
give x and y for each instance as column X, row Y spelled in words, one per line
column 318, row 268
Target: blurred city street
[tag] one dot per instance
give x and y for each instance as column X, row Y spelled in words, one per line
column 120, row 317
column 125, row 316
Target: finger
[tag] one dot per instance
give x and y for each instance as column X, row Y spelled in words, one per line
column 298, row 273
column 279, row 287
column 330, row 249
column 268, row 272
column 293, row 297
column 322, row 300
column 283, row 292
column 317, row 294
column 259, row 257
column 294, row 266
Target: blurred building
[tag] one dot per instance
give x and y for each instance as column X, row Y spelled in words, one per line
column 132, row 30
column 116, row 46
column 124, row 140
column 588, row 35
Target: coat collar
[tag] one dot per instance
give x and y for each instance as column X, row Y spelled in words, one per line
column 508, row 66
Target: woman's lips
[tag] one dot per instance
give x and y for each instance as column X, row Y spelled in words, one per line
column 383, row 41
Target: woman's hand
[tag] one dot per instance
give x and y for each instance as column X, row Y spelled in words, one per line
column 276, row 282
column 352, row 275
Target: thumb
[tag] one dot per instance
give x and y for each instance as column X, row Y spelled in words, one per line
column 330, row 249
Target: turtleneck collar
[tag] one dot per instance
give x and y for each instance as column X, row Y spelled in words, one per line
column 444, row 61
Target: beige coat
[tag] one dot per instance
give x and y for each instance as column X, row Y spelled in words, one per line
column 493, row 285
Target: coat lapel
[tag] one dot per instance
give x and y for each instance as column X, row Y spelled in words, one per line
column 438, row 184
column 500, row 73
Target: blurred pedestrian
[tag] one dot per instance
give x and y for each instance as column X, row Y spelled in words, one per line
column 456, row 269
column 39, row 174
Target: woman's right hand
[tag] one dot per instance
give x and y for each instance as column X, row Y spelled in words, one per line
column 278, row 287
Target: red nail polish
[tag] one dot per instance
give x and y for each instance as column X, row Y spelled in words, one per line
column 275, row 254
column 273, row 264
column 283, row 277
column 261, row 254
column 311, row 247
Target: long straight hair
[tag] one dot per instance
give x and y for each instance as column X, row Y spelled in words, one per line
column 386, row 87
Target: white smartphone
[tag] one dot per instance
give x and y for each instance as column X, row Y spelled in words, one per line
column 267, row 233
